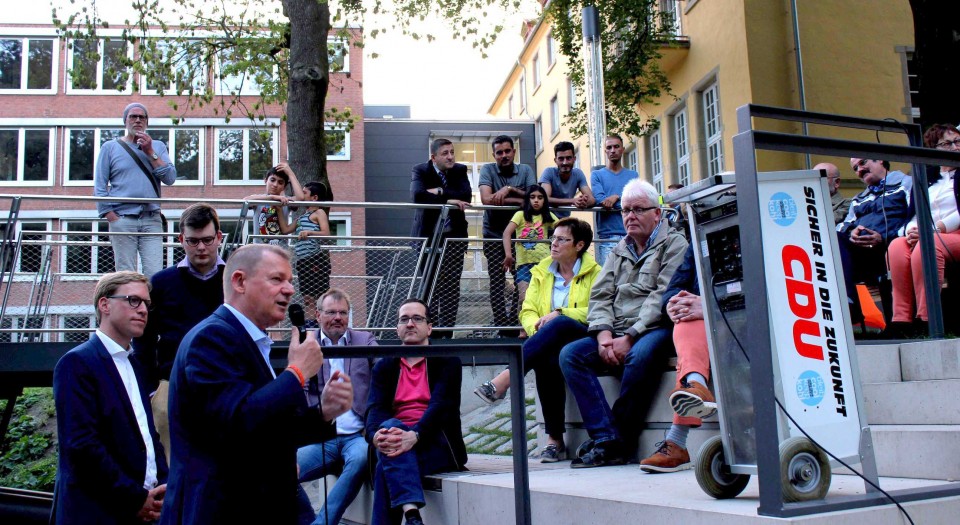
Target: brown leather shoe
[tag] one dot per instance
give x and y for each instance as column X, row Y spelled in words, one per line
column 669, row 457
column 693, row 400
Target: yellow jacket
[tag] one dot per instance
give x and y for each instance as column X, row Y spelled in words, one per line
column 539, row 299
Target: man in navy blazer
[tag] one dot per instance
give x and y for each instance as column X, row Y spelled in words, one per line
column 111, row 467
column 441, row 180
column 345, row 454
column 235, row 425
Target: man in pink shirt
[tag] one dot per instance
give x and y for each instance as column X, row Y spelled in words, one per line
column 413, row 421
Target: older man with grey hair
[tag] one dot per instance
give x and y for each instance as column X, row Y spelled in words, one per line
column 133, row 166
column 840, row 205
column 628, row 337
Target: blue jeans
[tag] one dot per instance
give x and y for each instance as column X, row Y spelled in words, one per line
column 639, row 378
column 396, row 481
column 603, row 249
column 347, row 452
column 126, row 247
column 541, row 352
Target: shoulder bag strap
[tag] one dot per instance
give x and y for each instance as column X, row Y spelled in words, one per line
column 146, row 172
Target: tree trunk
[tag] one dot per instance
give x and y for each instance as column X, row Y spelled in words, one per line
column 309, row 80
column 936, row 25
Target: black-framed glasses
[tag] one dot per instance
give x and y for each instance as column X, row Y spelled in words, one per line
column 417, row 319
column 947, row 143
column 136, row 117
column 637, row 211
column 560, row 240
column 334, row 313
column 194, row 241
column 133, row 300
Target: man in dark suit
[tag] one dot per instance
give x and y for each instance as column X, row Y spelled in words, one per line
column 413, row 421
column 235, row 425
column 111, row 467
column 441, row 180
column 345, row 454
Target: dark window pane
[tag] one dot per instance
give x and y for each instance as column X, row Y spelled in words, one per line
column 40, row 65
column 261, row 153
column 115, row 72
column 30, row 253
column 76, row 322
column 107, row 135
column 187, row 154
column 335, row 141
column 79, row 257
column 9, row 160
column 81, row 154
column 231, row 154
column 11, row 56
column 85, row 58
column 36, row 162
column 162, row 135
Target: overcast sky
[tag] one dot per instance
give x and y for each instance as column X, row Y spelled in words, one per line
column 445, row 79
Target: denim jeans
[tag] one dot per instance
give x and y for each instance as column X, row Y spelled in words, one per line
column 396, row 481
column 126, row 247
column 541, row 352
column 504, row 308
column 603, row 249
column 347, row 452
column 639, row 374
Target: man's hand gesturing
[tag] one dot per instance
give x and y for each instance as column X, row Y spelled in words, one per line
column 307, row 356
column 337, row 396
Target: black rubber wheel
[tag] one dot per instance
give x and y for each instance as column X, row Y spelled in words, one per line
column 713, row 473
column 804, row 470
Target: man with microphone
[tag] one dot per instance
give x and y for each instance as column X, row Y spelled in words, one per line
column 235, row 425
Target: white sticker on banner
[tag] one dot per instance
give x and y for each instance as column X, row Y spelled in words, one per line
column 734, row 287
column 808, row 331
column 704, row 251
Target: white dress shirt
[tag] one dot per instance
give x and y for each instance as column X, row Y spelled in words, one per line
column 348, row 422
column 260, row 338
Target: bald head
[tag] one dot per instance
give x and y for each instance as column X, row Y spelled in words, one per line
column 833, row 176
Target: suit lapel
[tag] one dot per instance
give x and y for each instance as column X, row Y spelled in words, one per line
column 113, row 377
column 250, row 348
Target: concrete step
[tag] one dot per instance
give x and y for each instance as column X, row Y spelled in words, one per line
column 918, row 451
column 930, row 360
column 912, row 402
column 879, row 363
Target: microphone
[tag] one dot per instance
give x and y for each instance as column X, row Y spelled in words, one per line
column 297, row 318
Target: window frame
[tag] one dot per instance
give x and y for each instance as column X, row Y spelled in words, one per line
column 25, row 66
column 171, row 145
column 97, row 143
column 713, row 150
column 200, row 84
column 551, row 52
column 18, row 230
column 62, row 325
column 571, row 95
column 19, row 181
column 681, row 145
column 249, row 87
column 554, row 116
column 98, row 90
column 535, row 68
column 346, row 53
column 97, row 226
column 538, row 133
column 246, row 180
column 345, row 156
column 655, row 159
column 523, row 91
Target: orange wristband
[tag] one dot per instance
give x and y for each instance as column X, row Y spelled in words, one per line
column 296, row 370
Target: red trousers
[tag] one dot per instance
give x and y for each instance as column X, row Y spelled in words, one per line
column 690, row 340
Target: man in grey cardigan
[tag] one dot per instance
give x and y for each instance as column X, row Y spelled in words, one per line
column 133, row 167
column 347, row 453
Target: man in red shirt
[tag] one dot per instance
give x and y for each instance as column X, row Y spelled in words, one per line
column 413, row 421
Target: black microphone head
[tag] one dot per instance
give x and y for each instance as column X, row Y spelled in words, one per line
column 297, row 317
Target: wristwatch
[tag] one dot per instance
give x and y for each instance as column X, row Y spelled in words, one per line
column 155, row 156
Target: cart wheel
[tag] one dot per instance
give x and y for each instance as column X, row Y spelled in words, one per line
column 585, row 447
column 804, row 470
column 713, row 473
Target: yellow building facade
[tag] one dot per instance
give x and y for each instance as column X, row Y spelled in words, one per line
column 855, row 60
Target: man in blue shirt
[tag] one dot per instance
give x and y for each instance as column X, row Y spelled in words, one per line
column 563, row 182
column 133, row 167
column 608, row 183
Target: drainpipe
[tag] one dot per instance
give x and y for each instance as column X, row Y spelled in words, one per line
column 593, row 65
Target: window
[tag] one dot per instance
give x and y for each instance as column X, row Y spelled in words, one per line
column 911, row 82
column 235, row 77
column 682, row 147
column 82, row 149
column 337, row 141
column 25, row 156
column 245, row 154
column 551, row 51
column 232, row 233
column 99, row 65
column 554, row 116
column 632, row 159
column 670, row 11
column 538, row 133
column 12, row 323
column 571, row 94
column 186, row 72
column 29, row 259
column 713, row 131
column 68, row 322
column 536, row 72
column 183, row 147
column 27, row 65
column 340, row 227
column 656, row 160
column 510, row 107
column 338, row 53
column 86, row 252
column 523, row 91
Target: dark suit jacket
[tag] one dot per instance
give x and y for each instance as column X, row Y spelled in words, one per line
column 440, row 422
column 425, row 177
column 234, row 430
column 358, row 369
column 102, row 459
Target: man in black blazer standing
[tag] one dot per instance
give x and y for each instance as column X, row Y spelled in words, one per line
column 235, row 425
column 111, row 467
column 441, row 180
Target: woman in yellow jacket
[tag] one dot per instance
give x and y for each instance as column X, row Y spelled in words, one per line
column 554, row 313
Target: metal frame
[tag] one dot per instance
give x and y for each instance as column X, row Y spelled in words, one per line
column 745, row 145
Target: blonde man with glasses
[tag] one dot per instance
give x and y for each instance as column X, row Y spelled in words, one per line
column 183, row 295
column 111, row 466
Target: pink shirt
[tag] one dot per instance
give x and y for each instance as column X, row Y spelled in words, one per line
column 413, row 392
